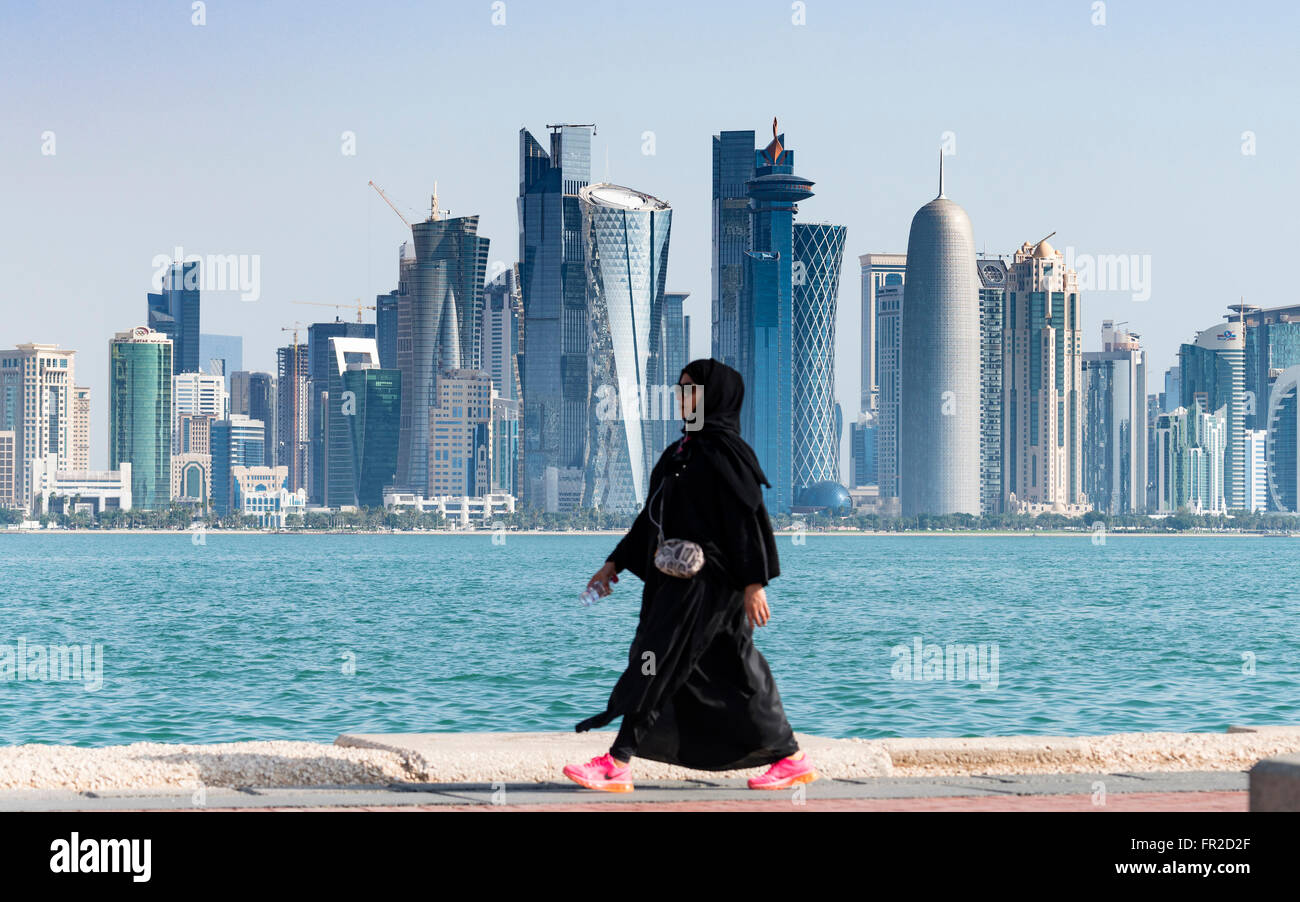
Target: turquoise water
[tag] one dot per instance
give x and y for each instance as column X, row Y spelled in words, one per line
column 249, row 637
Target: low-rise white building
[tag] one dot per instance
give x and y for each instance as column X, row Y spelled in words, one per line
column 459, row 510
column 91, row 491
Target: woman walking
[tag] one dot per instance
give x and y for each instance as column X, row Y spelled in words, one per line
column 696, row 692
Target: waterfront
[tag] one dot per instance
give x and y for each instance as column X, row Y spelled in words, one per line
column 251, row 637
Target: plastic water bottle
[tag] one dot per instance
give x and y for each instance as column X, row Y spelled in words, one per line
column 589, row 597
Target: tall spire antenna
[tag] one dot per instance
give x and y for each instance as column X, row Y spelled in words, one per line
column 941, row 172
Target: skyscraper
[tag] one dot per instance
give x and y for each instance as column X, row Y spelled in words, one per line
column 939, row 442
column 254, row 395
column 1212, row 370
column 1271, row 343
column 626, row 237
column 320, row 362
column 1283, row 442
column 1257, row 469
column 438, row 316
column 889, row 372
column 197, row 393
column 993, row 314
column 236, row 442
column 553, row 286
column 460, row 446
column 766, row 343
column 733, row 167
column 174, row 311
column 1190, row 445
column 80, row 429
column 878, row 271
column 818, row 258
column 292, row 427
column 675, row 353
column 1114, row 423
column 37, row 404
column 499, row 333
column 362, row 411
column 140, row 413
column 386, row 313
column 1043, row 400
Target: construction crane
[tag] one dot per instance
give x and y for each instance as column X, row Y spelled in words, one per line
column 360, row 306
column 294, row 481
column 390, row 203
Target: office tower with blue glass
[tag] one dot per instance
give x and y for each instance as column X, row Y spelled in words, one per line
column 254, row 395
column 765, row 349
column 236, row 442
column 499, row 333
column 1212, row 371
column 362, row 411
column 553, row 285
column 319, row 363
column 174, row 311
column 939, row 410
column 140, row 414
column 1115, row 423
column 1282, row 442
column 733, row 168
column 675, row 353
column 816, row 427
column 386, row 306
column 625, row 233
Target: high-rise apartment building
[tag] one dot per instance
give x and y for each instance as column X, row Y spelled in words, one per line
column 37, row 404
column 1115, row 423
column 460, row 446
column 292, row 419
column 1190, row 446
column 1042, row 385
column 878, row 271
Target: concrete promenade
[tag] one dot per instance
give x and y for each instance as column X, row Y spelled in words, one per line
column 522, row 771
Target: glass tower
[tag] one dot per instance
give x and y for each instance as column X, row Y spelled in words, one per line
column 766, row 351
column 1212, row 370
column 140, row 414
column 553, row 286
column 993, row 302
column 236, row 442
column 1114, row 423
column 362, row 414
column 733, row 167
column 174, row 311
column 626, row 235
column 818, row 258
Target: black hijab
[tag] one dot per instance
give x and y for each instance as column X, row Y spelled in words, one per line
column 719, row 428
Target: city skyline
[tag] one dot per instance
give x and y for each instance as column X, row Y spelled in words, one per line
column 306, row 211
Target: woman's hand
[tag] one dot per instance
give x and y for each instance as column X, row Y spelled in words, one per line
column 604, row 576
column 756, row 610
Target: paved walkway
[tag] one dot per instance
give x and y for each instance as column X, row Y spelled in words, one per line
column 1147, row 791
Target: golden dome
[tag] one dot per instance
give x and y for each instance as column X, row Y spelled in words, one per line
column 1044, row 249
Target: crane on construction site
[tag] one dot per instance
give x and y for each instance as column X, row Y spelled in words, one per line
column 295, row 482
column 390, row 203
column 360, row 306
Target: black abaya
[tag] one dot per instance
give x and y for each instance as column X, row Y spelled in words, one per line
column 699, row 692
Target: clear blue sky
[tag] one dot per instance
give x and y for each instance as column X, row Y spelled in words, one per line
column 225, row 139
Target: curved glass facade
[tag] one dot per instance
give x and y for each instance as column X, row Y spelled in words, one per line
column 940, row 391
column 1283, row 465
column 818, row 257
column 140, row 414
column 626, row 249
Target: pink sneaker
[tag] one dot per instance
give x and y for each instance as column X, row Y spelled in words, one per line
column 785, row 773
column 601, row 773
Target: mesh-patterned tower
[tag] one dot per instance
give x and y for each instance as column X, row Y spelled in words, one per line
column 818, row 257
column 626, row 252
column 940, row 398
